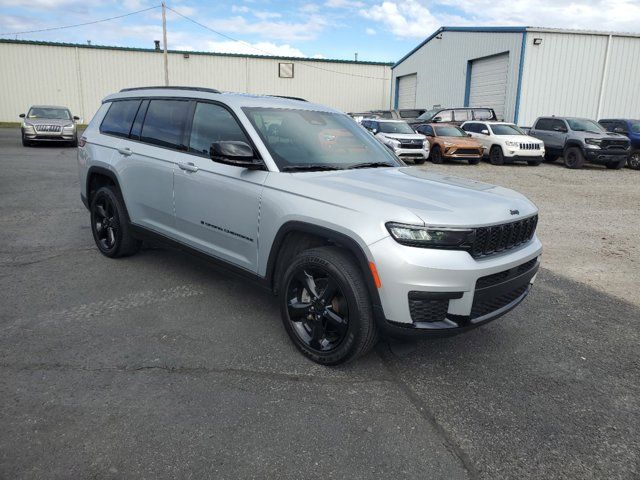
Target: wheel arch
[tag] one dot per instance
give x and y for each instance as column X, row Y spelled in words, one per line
column 295, row 236
column 573, row 143
column 98, row 177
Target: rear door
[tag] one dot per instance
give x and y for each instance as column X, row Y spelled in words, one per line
column 217, row 205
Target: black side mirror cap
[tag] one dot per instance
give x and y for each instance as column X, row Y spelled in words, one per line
column 76, row 118
column 22, row 115
column 237, row 154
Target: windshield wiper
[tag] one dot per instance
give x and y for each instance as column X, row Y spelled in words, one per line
column 309, row 167
column 371, row 165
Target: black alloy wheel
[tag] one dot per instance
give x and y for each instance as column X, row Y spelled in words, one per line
column 105, row 224
column 496, row 157
column 110, row 224
column 634, row 160
column 573, row 158
column 436, row 155
column 318, row 310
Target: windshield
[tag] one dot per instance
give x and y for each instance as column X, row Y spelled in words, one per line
column 635, row 127
column 303, row 138
column 395, row 127
column 502, row 129
column 450, row 131
column 428, row 114
column 52, row 113
column 584, row 125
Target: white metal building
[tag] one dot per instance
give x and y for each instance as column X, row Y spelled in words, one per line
column 80, row 76
column 523, row 72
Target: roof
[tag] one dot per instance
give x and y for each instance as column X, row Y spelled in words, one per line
column 50, row 106
column 522, row 29
column 236, row 100
column 181, row 52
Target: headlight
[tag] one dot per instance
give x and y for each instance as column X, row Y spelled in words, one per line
column 448, row 144
column 394, row 143
column 28, row 127
column 509, row 143
column 593, row 142
column 425, row 145
column 429, row 237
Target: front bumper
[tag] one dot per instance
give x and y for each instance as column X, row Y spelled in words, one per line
column 454, row 153
column 524, row 158
column 62, row 136
column 606, row 156
column 411, row 153
column 464, row 291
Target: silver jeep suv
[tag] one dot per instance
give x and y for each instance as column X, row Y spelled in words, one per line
column 301, row 199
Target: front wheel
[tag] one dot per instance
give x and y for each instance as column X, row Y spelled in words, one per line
column 436, row 155
column 634, row 160
column 25, row 142
column 110, row 224
column 496, row 157
column 325, row 306
column 573, row 157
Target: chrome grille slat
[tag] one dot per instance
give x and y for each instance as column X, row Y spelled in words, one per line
column 48, row 128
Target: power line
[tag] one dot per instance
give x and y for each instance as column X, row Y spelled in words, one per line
column 81, row 24
column 270, row 53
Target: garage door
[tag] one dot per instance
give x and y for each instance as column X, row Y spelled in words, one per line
column 488, row 86
column 407, row 91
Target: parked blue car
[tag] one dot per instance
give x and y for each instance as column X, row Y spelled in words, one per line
column 630, row 128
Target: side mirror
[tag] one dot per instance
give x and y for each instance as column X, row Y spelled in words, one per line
column 374, row 130
column 484, row 132
column 468, row 134
column 560, row 129
column 238, row 154
column 76, row 118
column 436, row 119
column 22, row 115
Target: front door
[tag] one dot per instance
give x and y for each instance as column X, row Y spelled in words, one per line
column 217, row 205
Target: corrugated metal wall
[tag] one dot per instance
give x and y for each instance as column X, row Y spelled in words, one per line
column 79, row 77
column 441, row 66
column 564, row 74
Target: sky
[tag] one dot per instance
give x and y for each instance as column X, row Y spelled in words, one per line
column 375, row 30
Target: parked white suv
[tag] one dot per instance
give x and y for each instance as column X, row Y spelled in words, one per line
column 505, row 142
column 399, row 137
column 301, row 199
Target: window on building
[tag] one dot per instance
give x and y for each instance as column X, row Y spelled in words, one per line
column 164, row 123
column 285, row 70
column 119, row 118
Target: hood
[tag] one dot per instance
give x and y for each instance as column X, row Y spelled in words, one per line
column 47, row 121
column 399, row 194
column 608, row 135
column 461, row 141
column 403, row 136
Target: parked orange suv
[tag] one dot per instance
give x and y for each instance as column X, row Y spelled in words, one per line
column 449, row 142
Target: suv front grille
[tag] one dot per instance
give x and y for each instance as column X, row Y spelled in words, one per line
column 467, row 151
column 486, row 306
column 496, row 278
column 529, row 146
column 497, row 238
column 48, row 128
column 614, row 144
column 411, row 144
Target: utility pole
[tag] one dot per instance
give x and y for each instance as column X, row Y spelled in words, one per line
column 164, row 39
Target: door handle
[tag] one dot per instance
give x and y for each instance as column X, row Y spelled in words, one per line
column 125, row 151
column 189, row 167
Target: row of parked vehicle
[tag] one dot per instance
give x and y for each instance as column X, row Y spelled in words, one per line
column 473, row 133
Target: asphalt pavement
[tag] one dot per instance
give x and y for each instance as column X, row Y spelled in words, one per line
column 162, row 366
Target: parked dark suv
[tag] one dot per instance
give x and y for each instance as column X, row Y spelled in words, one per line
column 456, row 116
column 630, row 128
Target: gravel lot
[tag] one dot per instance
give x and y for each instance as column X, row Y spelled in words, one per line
column 159, row 366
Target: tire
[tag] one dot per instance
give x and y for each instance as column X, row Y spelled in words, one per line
column 573, row 157
column 25, row 142
column 534, row 163
column 331, row 337
column 496, row 157
column 616, row 165
column 550, row 158
column 474, row 161
column 110, row 224
column 634, row 160
column 418, row 161
column 74, row 142
column 436, row 155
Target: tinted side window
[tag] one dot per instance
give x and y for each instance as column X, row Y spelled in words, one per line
column 119, row 118
column 137, row 123
column 544, row 124
column 470, row 127
column 213, row 123
column 426, row 130
column 482, row 114
column 164, row 123
column 462, row 115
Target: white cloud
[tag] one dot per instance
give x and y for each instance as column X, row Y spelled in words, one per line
column 404, row 19
column 344, row 4
column 370, row 31
column 239, row 9
column 272, row 30
column 263, row 15
column 258, row 48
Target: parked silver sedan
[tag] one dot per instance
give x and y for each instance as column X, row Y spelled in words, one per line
column 48, row 123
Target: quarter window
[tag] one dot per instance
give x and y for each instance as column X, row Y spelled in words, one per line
column 164, row 123
column 119, row 118
column 445, row 116
column 213, row 123
column 482, row 114
column 462, row 115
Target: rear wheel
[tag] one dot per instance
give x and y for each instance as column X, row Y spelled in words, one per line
column 634, row 160
column 110, row 224
column 616, row 165
column 496, row 157
column 573, row 157
column 534, row 163
column 436, row 155
column 325, row 306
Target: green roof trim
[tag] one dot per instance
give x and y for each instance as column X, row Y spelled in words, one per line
column 214, row 54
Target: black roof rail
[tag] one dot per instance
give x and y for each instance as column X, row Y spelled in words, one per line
column 197, row 89
column 289, row 98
